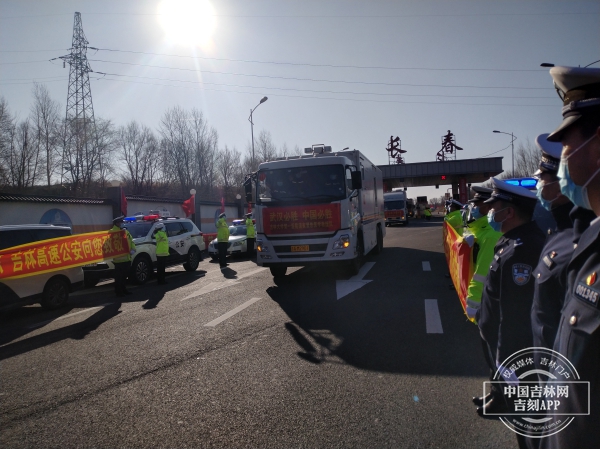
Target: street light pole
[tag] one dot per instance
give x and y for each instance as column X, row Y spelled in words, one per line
column 512, row 146
column 263, row 99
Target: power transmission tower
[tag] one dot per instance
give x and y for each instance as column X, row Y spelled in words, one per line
column 80, row 126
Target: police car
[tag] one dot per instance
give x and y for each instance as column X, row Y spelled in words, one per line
column 237, row 241
column 185, row 247
column 51, row 289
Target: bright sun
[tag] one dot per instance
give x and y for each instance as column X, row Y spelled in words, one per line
column 188, row 22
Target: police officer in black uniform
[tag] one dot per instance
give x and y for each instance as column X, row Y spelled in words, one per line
column 504, row 317
column 578, row 335
column 551, row 271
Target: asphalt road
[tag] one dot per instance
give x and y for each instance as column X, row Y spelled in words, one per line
column 385, row 359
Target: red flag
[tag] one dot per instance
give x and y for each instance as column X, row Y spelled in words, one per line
column 222, row 204
column 189, row 206
column 123, row 202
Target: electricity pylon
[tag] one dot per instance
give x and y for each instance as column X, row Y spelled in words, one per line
column 80, row 125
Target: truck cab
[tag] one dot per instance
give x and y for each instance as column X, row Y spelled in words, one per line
column 396, row 208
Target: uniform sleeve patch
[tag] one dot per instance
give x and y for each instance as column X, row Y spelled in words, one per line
column 521, row 273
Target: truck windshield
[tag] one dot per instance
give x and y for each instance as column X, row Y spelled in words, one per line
column 322, row 183
column 393, row 205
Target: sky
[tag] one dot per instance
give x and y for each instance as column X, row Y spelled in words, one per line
column 340, row 73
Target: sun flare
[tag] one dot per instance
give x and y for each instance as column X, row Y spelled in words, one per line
column 188, row 22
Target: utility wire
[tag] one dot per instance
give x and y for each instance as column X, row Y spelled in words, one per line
column 506, row 148
column 305, row 79
column 316, row 65
column 320, row 91
column 329, row 98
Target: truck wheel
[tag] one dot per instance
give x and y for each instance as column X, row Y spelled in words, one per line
column 193, row 260
column 278, row 270
column 141, row 270
column 357, row 262
column 379, row 246
column 56, row 294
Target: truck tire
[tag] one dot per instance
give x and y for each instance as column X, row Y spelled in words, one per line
column 379, row 246
column 193, row 259
column 357, row 262
column 141, row 269
column 278, row 270
column 56, row 293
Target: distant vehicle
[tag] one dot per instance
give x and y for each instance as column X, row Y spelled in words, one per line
column 395, row 207
column 410, row 207
column 185, row 247
column 238, row 244
column 52, row 289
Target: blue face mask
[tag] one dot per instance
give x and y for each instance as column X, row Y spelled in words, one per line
column 475, row 213
column 577, row 194
column 546, row 204
column 495, row 225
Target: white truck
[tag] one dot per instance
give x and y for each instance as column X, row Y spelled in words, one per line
column 396, row 208
column 317, row 208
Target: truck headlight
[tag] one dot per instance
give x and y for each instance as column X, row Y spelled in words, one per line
column 342, row 242
column 261, row 248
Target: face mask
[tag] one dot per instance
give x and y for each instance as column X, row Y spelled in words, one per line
column 495, row 225
column 546, row 204
column 475, row 213
column 577, row 194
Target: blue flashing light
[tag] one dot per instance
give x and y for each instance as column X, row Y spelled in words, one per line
column 128, row 219
column 512, row 182
column 526, row 183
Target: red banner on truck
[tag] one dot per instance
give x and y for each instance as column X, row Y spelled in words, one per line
column 302, row 219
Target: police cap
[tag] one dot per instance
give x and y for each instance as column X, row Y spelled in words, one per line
column 512, row 194
column 481, row 194
column 222, row 215
column 579, row 88
column 550, row 154
column 118, row 219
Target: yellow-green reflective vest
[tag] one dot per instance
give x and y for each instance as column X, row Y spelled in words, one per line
column 162, row 243
column 222, row 230
column 486, row 239
column 250, row 231
column 427, row 213
column 125, row 257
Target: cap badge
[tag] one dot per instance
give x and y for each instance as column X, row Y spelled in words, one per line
column 591, row 279
column 553, row 254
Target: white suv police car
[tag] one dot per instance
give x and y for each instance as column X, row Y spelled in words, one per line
column 52, row 289
column 185, row 247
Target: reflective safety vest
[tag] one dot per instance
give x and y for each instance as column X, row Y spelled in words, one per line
column 485, row 239
column 427, row 213
column 125, row 257
column 222, row 230
column 162, row 243
column 455, row 220
column 250, row 231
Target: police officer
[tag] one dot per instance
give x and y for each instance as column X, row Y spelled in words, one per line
column 162, row 251
column 222, row 239
column 454, row 216
column 427, row 213
column 505, row 314
column 122, row 263
column 250, row 235
column 578, row 335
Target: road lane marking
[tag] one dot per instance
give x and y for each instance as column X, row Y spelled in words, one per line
column 231, row 313
column 426, row 266
column 212, row 286
column 43, row 323
column 432, row 317
column 343, row 288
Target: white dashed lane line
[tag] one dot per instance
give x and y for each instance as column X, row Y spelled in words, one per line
column 43, row 323
column 231, row 313
column 433, row 321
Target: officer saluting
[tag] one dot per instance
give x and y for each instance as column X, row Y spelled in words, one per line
column 122, row 263
column 578, row 336
column 505, row 314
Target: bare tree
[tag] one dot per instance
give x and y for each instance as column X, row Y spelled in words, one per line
column 22, row 157
column 45, row 120
column 7, row 131
column 228, row 165
column 527, row 160
column 138, row 150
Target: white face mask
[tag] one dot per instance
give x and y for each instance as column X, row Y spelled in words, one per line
column 577, row 194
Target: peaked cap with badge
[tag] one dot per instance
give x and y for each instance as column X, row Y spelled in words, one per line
column 579, row 88
column 550, row 154
column 481, row 194
column 504, row 191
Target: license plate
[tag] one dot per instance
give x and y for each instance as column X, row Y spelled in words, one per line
column 298, row 248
